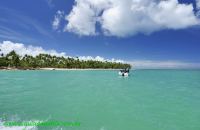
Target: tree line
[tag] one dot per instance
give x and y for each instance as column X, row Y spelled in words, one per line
column 12, row 59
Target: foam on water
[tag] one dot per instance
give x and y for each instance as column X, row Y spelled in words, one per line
column 16, row 118
column 2, row 127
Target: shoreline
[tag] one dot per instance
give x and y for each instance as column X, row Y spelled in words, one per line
column 74, row 69
column 11, row 68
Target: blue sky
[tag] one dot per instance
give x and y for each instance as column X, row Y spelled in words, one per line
column 106, row 30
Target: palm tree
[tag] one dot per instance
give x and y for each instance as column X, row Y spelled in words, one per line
column 13, row 59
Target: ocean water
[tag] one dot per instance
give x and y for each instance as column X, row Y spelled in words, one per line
column 102, row 100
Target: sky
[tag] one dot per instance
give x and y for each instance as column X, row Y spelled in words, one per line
column 144, row 33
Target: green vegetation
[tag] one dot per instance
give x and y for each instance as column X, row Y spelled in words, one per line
column 45, row 60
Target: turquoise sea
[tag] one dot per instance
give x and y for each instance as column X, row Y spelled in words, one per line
column 102, row 100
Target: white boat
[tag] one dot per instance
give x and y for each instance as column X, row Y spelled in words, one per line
column 124, row 72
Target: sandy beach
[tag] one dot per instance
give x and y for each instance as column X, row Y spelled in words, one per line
column 73, row 69
column 11, row 68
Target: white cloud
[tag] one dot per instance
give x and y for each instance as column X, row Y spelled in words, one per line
column 128, row 17
column 162, row 64
column 198, row 4
column 198, row 8
column 99, row 58
column 57, row 19
column 82, row 20
column 86, row 58
column 21, row 49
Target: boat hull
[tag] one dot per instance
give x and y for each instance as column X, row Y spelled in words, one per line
column 123, row 74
